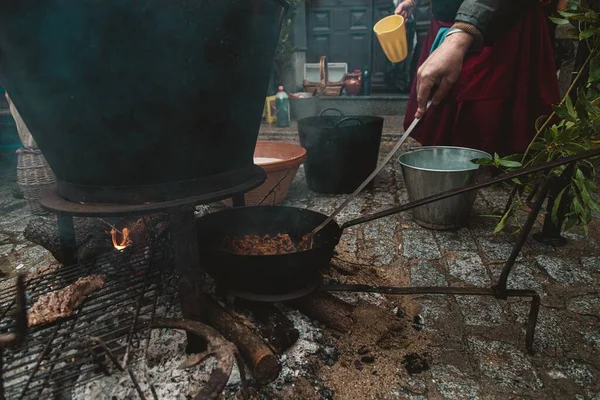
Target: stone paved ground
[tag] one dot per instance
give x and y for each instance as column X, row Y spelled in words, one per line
column 478, row 343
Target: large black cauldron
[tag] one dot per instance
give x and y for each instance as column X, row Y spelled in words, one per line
column 136, row 101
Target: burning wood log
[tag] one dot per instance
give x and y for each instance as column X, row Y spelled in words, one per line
column 93, row 235
column 90, row 234
column 273, row 324
column 328, row 309
column 235, row 328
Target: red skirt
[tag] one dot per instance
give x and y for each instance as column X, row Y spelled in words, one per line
column 501, row 92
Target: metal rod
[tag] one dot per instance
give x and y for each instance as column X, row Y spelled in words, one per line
column 273, row 188
column 187, row 266
column 450, row 193
column 112, row 358
column 68, row 243
column 387, row 158
column 407, row 290
column 533, row 310
column 137, row 312
column 2, row 391
column 531, row 218
column 39, row 361
column 238, row 200
column 16, row 338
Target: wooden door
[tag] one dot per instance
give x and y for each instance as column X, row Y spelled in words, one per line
column 340, row 30
column 380, row 65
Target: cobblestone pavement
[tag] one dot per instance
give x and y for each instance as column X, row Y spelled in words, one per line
column 478, row 342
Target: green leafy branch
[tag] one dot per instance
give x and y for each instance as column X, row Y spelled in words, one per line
column 569, row 130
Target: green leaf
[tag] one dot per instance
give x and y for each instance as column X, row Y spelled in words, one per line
column 517, row 181
column 571, row 109
column 564, row 111
column 482, row 161
column 572, row 33
column 567, row 14
column 537, row 146
column 502, row 224
column 575, row 147
column 540, row 121
column 556, row 205
column 573, row 4
column 594, row 70
column 510, row 164
column 559, row 21
column 571, row 222
column 588, row 33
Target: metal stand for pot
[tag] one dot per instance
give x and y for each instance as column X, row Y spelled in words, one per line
column 552, row 229
column 544, row 191
column 181, row 227
column 499, row 290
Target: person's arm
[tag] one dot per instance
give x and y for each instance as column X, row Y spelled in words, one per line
column 475, row 22
column 405, row 8
column 485, row 19
column 441, row 70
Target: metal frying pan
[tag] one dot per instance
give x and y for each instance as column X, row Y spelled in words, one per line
column 270, row 274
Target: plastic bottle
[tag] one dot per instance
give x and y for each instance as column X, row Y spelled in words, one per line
column 365, row 89
column 282, row 105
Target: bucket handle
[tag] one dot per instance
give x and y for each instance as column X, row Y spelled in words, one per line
column 348, row 119
column 333, row 109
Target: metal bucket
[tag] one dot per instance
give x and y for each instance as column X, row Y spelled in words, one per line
column 431, row 170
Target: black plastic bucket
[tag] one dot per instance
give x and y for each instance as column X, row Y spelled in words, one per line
column 341, row 152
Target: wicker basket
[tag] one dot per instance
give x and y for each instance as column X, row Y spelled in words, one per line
column 33, row 175
column 324, row 88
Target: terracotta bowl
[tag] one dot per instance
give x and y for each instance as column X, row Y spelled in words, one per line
column 277, row 159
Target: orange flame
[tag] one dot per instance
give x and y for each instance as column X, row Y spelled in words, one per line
column 124, row 242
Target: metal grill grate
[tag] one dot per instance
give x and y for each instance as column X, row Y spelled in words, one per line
column 60, row 355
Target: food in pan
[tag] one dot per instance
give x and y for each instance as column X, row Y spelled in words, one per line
column 256, row 245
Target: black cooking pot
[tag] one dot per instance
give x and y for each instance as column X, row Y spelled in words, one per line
column 141, row 101
column 268, row 275
column 341, row 152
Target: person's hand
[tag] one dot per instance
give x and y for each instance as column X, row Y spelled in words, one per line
column 441, row 70
column 405, row 8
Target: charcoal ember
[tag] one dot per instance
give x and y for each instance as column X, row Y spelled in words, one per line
column 416, row 363
column 399, row 313
column 367, row 359
column 363, row 350
column 329, row 355
column 358, row 365
column 326, row 393
column 418, row 322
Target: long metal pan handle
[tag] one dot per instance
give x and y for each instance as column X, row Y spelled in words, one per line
column 368, row 180
column 444, row 195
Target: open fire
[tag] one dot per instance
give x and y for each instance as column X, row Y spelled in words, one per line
column 120, row 239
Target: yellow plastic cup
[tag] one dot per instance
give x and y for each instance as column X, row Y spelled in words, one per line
column 391, row 34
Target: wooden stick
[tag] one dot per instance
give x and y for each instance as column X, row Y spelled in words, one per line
column 273, row 324
column 332, row 311
column 259, row 356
